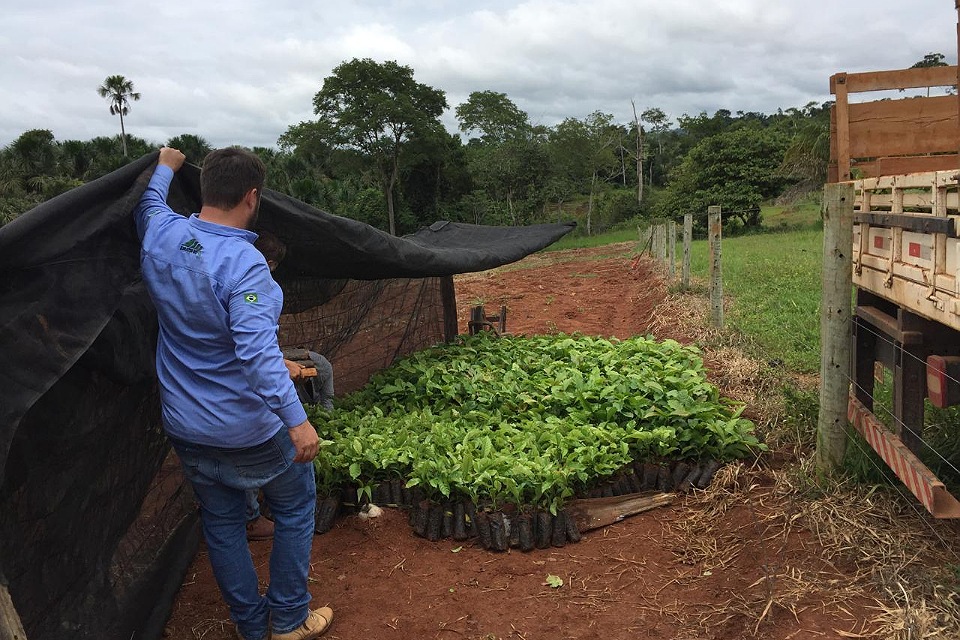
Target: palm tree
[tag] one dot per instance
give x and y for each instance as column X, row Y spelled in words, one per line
column 192, row 146
column 119, row 91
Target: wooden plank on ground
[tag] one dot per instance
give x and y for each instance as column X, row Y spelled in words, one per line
column 592, row 513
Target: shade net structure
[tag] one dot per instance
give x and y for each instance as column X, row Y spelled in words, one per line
column 96, row 524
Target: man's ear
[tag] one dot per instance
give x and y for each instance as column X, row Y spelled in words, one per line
column 250, row 198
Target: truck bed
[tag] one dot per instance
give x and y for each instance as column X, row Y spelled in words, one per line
column 905, row 242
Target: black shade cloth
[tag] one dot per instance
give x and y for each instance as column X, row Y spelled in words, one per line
column 97, row 527
column 69, row 264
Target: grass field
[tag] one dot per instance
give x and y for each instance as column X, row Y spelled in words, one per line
column 771, row 280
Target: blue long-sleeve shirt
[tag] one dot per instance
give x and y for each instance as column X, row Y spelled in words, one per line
column 222, row 378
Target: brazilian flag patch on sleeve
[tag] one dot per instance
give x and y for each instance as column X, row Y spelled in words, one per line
column 250, row 298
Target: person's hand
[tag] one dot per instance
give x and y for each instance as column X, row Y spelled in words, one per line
column 305, row 439
column 170, row 157
column 294, row 369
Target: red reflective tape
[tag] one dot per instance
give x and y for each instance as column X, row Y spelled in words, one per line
column 878, row 242
column 914, row 249
column 915, row 476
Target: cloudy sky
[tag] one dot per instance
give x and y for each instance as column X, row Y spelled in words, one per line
column 241, row 72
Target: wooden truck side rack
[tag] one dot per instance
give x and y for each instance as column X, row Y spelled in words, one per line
column 903, row 158
column 891, row 137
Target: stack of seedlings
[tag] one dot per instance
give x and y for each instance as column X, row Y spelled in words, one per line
column 491, row 437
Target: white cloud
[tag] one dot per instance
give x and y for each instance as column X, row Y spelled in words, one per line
column 242, row 71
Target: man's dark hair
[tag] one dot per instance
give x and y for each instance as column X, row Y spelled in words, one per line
column 228, row 174
column 270, row 246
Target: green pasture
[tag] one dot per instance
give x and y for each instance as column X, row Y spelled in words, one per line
column 771, row 280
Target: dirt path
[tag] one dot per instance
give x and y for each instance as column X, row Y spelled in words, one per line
column 725, row 564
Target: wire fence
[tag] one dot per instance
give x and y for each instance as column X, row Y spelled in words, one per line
column 892, row 418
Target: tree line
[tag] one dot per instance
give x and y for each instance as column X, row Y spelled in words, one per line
column 376, row 151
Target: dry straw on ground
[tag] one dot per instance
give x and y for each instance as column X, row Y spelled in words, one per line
column 911, row 558
column 892, row 552
column 769, row 528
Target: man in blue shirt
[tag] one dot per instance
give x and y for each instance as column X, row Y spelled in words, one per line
column 228, row 404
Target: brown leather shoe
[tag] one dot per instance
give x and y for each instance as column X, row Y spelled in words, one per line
column 259, row 529
column 317, row 623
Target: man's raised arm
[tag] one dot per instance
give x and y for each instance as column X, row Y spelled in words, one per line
column 154, row 199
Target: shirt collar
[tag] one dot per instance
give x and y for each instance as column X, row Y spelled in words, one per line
column 221, row 229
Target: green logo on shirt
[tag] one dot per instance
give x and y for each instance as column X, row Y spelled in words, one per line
column 250, row 298
column 192, row 246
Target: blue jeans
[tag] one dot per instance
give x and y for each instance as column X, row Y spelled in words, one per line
column 319, row 389
column 220, row 480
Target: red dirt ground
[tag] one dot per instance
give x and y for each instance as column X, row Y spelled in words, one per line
column 714, row 565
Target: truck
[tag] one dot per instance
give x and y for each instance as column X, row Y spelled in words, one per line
column 901, row 152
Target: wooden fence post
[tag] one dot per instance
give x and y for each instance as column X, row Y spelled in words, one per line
column 646, row 237
column 714, row 225
column 672, row 248
column 835, row 313
column 687, row 242
column 660, row 243
column 448, row 299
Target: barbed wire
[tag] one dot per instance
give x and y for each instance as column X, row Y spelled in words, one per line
column 700, row 214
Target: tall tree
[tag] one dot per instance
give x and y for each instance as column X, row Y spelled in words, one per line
column 376, row 108
column 192, row 146
column 507, row 160
column 808, row 153
column 930, row 60
column 37, row 152
column 639, row 156
column 736, row 169
column 584, row 151
column 700, row 126
column 433, row 177
column 119, row 92
column 494, row 116
column 512, row 174
column 659, row 125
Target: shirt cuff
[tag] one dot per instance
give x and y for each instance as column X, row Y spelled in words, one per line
column 292, row 415
column 165, row 171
